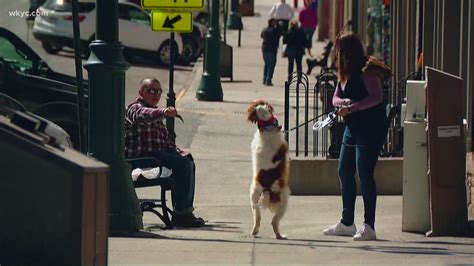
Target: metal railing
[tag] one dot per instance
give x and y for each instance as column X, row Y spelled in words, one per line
column 302, row 107
column 305, row 104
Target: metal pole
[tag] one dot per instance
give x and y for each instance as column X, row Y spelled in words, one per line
column 238, row 42
column 81, row 122
column 106, row 67
column 306, row 109
column 171, row 100
column 210, row 88
column 287, row 111
column 226, row 10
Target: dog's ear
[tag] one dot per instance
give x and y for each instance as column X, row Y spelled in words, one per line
column 252, row 113
column 270, row 108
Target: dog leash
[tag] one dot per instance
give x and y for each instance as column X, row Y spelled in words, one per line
column 319, row 124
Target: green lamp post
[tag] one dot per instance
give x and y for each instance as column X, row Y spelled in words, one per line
column 210, row 88
column 234, row 21
column 106, row 67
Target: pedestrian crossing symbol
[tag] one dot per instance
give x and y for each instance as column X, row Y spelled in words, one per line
column 171, row 21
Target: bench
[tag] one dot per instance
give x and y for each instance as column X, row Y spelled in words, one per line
column 322, row 61
column 165, row 184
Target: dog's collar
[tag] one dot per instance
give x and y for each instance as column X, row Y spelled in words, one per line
column 271, row 123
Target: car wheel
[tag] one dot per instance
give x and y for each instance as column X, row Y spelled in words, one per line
column 190, row 50
column 50, row 48
column 163, row 54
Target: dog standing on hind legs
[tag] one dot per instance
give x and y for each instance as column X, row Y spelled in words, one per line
column 269, row 187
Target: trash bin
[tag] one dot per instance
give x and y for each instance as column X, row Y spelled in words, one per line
column 246, row 7
column 226, row 61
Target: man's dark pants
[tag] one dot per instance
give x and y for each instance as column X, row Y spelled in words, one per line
column 184, row 171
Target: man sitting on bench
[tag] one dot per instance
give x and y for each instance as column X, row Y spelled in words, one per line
column 146, row 136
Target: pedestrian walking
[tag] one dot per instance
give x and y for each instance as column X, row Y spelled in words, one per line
column 283, row 13
column 296, row 43
column 271, row 38
column 359, row 99
column 308, row 18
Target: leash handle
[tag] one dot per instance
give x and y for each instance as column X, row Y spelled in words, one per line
column 330, row 113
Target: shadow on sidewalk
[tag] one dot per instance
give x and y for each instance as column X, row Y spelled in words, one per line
column 236, row 81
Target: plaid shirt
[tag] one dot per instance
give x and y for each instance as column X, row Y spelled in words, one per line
column 145, row 131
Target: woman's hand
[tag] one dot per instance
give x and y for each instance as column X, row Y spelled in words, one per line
column 343, row 111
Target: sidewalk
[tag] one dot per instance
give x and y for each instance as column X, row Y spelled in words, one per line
column 221, row 148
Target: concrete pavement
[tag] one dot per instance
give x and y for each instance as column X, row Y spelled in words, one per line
column 221, row 148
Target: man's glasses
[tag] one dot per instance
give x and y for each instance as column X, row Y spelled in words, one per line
column 154, row 91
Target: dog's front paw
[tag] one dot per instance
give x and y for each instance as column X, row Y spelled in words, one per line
column 280, row 236
column 255, row 231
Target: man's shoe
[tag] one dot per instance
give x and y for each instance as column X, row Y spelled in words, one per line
column 365, row 233
column 187, row 220
column 340, row 229
column 269, row 83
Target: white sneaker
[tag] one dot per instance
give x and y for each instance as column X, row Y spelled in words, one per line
column 340, row 229
column 365, row 233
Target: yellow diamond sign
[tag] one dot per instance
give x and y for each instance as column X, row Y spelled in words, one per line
column 172, row 4
column 171, row 21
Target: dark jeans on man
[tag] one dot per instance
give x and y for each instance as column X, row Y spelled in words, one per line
column 358, row 154
column 184, row 171
column 269, row 59
column 294, row 59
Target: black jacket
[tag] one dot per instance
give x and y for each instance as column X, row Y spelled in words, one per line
column 296, row 42
column 271, row 38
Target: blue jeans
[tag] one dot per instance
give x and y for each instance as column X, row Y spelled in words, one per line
column 294, row 59
column 309, row 35
column 184, row 171
column 269, row 59
column 358, row 154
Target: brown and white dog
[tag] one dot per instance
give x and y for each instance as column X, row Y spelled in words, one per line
column 269, row 187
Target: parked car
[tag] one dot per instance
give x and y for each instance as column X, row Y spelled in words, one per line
column 12, row 109
column 54, row 29
column 193, row 43
column 27, row 78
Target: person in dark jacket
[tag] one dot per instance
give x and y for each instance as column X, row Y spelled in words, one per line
column 296, row 42
column 271, row 37
column 359, row 99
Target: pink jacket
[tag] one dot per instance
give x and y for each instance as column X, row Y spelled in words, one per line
column 308, row 18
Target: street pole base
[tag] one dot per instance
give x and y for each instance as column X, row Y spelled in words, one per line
column 120, row 223
column 209, row 88
column 125, row 214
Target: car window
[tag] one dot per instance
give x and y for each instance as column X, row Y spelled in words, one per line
column 65, row 6
column 14, row 57
column 133, row 14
